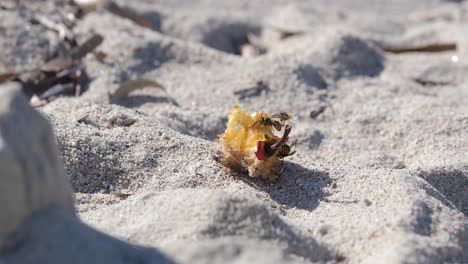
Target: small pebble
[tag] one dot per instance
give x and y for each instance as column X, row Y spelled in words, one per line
column 367, row 202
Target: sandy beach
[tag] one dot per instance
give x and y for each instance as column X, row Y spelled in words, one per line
column 378, row 95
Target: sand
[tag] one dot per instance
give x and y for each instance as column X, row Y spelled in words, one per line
column 381, row 169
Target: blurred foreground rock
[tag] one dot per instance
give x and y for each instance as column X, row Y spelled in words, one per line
column 38, row 223
column 32, row 174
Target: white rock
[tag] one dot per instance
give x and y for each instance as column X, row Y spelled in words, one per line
column 32, row 175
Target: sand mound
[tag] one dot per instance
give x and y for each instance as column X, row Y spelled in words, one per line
column 207, row 214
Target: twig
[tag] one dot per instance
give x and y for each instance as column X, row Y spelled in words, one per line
column 71, row 70
column 252, row 91
column 425, row 82
column 285, row 33
column 57, row 89
column 315, row 113
column 62, row 30
column 122, row 196
column 434, row 47
column 127, row 13
column 88, row 46
column 63, row 62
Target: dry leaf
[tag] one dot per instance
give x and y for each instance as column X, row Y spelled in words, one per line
column 88, row 46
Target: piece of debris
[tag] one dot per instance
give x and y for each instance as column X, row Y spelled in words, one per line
column 132, row 85
column 35, row 101
column 425, row 82
column 284, row 34
column 6, row 73
column 248, row 51
column 434, row 47
column 400, row 165
column 323, row 230
column 87, row 5
column 82, row 117
column 316, row 112
column 259, row 45
column 254, row 46
column 367, row 202
column 61, row 29
column 339, row 257
column 58, row 89
column 100, row 55
column 120, row 195
column 122, row 121
column 255, row 90
column 70, row 70
column 128, row 13
column 72, row 57
column 88, row 46
column 64, row 74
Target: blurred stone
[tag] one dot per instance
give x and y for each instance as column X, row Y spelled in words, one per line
column 32, row 175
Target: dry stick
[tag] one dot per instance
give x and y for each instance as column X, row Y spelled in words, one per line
column 251, row 91
column 127, row 13
column 424, row 82
column 71, row 70
column 286, row 33
column 435, row 47
column 61, row 29
column 315, row 113
column 57, row 89
column 121, row 195
column 256, row 88
column 61, row 63
column 88, row 46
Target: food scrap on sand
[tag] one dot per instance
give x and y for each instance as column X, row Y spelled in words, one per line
column 250, row 146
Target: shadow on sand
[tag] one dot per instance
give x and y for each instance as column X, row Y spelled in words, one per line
column 297, row 187
column 55, row 236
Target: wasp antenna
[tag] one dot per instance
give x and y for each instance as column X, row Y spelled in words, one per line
column 255, row 123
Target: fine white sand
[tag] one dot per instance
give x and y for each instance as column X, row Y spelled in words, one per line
column 381, row 169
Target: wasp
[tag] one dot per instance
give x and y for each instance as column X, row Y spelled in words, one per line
column 266, row 149
column 284, row 151
column 283, row 116
column 266, row 121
